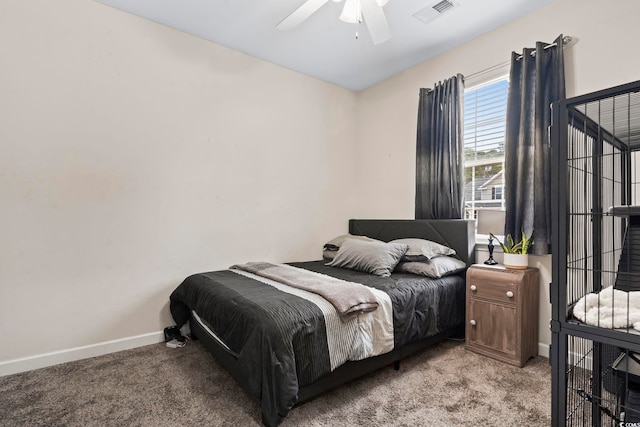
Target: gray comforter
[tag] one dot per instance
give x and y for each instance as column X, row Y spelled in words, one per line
column 280, row 340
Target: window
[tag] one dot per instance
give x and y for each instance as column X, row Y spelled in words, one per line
column 496, row 192
column 485, row 109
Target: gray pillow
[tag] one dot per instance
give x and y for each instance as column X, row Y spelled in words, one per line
column 335, row 243
column 375, row 257
column 330, row 248
column 436, row 267
column 329, row 254
column 423, row 250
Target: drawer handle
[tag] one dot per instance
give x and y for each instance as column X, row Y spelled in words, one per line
column 510, row 294
column 473, row 323
column 473, row 288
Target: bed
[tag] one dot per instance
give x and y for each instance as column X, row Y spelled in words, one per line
column 284, row 347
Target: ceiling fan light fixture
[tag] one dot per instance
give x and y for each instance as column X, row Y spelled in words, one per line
column 352, row 13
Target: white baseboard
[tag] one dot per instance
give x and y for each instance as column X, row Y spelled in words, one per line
column 543, row 350
column 69, row 355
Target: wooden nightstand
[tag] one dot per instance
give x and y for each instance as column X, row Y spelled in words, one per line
column 502, row 312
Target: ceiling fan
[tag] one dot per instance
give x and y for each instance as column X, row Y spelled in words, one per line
column 354, row 11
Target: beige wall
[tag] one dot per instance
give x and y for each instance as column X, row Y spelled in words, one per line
column 603, row 57
column 133, row 155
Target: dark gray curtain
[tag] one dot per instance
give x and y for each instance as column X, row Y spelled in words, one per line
column 536, row 80
column 440, row 151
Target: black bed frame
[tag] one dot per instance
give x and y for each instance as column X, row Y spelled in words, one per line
column 455, row 233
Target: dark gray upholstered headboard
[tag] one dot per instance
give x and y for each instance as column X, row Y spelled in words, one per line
column 458, row 234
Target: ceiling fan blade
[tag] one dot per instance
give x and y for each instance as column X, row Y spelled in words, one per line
column 300, row 14
column 376, row 21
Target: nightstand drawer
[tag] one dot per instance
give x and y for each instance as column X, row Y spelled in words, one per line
column 495, row 291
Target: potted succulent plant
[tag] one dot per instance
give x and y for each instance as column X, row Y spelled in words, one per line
column 516, row 255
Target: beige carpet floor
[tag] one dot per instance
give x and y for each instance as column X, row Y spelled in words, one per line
column 156, row 386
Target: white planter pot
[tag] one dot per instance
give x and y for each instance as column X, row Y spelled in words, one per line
column 516, row 261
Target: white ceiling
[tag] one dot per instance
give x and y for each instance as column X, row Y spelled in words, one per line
column 323, row 46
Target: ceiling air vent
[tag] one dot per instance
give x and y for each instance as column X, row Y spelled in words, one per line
column 443, row 6
column 434, row 11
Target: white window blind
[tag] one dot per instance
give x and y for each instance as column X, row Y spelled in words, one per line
column 485, row 109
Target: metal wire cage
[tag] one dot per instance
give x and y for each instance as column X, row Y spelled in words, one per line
column 596, row 256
